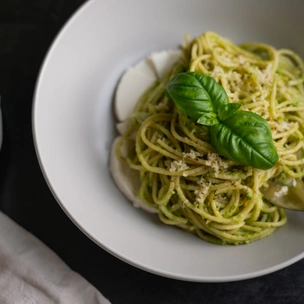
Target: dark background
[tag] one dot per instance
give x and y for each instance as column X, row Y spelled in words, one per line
column 27, row 29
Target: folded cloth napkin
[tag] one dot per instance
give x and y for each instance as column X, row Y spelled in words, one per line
column 31, row 273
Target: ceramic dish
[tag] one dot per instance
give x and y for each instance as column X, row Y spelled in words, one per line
column 74, row 125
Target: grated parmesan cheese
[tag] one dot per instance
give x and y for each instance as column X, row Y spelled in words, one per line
column 179, row 166
column 284, row 126
column 265, row 76
column 203, row 191
column 283, row 191
column 192, row 154
column 216, row 162
column 242, row 60
column 222, row 198
column 217, row 73
column 235, row 78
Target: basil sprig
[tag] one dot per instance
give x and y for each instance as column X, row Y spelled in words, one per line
column 241, row 136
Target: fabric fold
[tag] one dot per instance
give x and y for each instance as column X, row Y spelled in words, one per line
column 32, row 273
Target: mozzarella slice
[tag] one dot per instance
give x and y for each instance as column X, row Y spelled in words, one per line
column 163, row 61
column 132, row 85
column 145, row 67
column 126, row 179
column 123, row 126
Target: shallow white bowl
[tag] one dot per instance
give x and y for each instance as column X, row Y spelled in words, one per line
column 73, row 127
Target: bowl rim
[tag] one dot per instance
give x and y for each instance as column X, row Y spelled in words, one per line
column 153, row 270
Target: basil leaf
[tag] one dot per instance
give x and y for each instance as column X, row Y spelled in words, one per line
column 196, row 94
column 208, row 119
column 241, row 136
column 227, row 110
column 245, row 137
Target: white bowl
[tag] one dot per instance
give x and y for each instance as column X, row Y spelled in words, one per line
column 73, row 127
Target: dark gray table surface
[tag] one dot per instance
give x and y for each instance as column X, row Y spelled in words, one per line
column 27, row 29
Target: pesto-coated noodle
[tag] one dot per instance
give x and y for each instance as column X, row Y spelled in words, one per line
column 181, row 176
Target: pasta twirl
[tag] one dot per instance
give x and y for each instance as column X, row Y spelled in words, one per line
column 181, row 176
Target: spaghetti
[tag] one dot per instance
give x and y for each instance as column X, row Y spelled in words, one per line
column 181, row 176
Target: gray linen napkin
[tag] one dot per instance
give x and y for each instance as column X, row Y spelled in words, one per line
column 31, row 273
